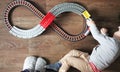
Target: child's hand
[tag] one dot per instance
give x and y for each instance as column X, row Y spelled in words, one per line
column 90, row 21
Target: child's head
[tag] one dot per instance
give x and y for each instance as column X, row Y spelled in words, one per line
column 117, row 34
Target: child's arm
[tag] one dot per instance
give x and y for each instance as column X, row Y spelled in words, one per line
column 95, row 32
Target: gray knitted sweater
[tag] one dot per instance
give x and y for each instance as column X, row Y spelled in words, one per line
column 106, row 52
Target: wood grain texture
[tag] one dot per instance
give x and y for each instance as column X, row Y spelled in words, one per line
column 50, row 45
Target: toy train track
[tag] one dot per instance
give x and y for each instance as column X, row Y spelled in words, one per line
column 47, row 20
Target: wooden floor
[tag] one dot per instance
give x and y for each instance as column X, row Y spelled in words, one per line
column 50, row 45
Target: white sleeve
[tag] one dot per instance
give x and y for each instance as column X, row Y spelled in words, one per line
column 96, row 33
